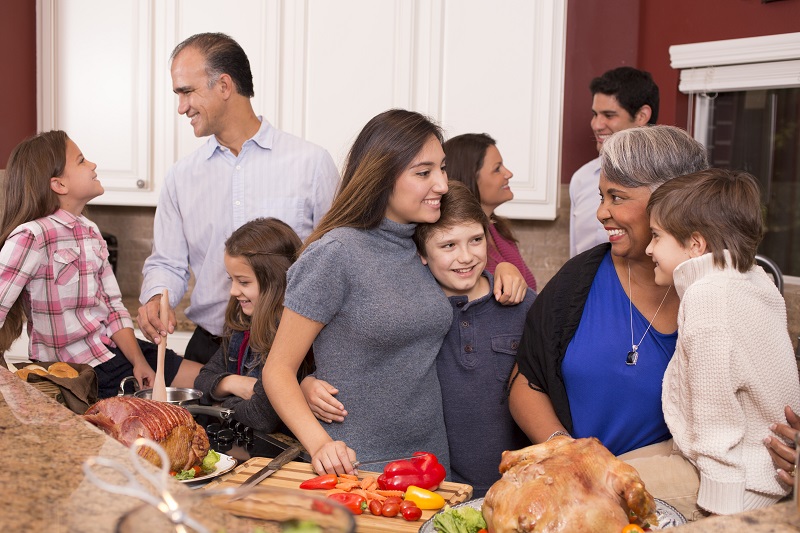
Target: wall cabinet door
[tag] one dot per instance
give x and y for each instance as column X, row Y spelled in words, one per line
column 321, row 68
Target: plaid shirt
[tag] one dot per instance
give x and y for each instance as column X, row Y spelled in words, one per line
column 59, row 265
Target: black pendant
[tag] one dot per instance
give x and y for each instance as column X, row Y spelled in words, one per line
column 633, row 356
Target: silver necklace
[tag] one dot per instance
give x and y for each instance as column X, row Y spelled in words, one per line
column 633, row 355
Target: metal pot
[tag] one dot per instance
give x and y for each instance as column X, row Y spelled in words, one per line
column 175, row 395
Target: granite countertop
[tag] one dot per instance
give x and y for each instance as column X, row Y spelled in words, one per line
column 778, row 518
column 43, row 485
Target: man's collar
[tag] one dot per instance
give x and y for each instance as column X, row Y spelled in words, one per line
column 263, row 138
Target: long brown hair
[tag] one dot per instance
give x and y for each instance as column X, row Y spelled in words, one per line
column 28, row 196
column 465, row 155
column 270, row 247
column 385, row 147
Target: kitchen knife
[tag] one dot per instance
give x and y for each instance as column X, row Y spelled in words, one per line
column 357, row 464
column 273, row 466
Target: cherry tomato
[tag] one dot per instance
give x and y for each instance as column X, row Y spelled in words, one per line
column 393, row 499
column 632, row 528
column 390, row 509
column 408, row 503
column 375, row 507
column 412, row 513
column 198, row 470
column 173, row 473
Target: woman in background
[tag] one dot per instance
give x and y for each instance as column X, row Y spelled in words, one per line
column 474, row 160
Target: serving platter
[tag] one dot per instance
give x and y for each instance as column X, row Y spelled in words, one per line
column 667, row 515
column 225, row 464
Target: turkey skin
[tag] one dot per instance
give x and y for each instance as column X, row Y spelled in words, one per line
column 127, row 418
column 566, row 485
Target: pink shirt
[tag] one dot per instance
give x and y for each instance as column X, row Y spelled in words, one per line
column 59, row 265
column 507, row 251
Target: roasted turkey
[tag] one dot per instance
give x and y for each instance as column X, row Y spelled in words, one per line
column 127, row 418
column 566, row 485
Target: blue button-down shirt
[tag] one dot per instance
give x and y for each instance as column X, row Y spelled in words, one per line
column 211, row 192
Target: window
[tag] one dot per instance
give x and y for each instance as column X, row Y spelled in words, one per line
column 746, row 110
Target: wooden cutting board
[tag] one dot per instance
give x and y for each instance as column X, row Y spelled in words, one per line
column 291, row 475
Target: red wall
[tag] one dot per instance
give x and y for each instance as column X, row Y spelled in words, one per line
column 611, row 33
column 18, row 67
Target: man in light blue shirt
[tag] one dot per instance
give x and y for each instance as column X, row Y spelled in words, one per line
column 622, row 98
column 246, row 169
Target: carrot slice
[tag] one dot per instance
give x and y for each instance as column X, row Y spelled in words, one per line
column 333, row 491
column 372, row 495
column 347, row 485
column 348, row 477
column 368, row 482
column 387, row 493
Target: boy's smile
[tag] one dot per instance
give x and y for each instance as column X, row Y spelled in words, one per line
column 456, row 257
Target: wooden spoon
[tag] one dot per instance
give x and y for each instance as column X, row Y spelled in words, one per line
column 159, row 387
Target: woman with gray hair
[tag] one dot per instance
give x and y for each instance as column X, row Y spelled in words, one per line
column 599, row 336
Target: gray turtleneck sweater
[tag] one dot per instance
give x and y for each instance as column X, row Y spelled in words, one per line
column 385, row 319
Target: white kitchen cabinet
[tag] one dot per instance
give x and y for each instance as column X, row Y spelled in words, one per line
column 321, row 69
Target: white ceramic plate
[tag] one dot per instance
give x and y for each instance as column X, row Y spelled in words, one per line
column 667, row 515
column 225, row 464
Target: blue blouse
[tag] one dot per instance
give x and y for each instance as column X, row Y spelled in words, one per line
column 617, row 403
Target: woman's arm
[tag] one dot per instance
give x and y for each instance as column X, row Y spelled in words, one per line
column 783, row 455
column 532, row 410
column 126, row 341
column 295, row 336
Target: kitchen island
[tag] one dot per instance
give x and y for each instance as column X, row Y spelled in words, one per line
column 44, row 445
column 44, row 488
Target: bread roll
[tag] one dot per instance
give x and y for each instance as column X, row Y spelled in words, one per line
column 36, row 369
column 62, row 370
column 23, row 373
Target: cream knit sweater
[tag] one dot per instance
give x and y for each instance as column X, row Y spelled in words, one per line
column 731, row 376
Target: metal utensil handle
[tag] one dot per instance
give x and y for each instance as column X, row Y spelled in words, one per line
column 284, row 457
column 356, row 464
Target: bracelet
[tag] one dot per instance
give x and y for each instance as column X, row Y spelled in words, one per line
column 558, row 433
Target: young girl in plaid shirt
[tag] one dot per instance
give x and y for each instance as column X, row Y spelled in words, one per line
column 54, row 271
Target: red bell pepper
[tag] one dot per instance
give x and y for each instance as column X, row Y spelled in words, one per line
column 354, row 502
column 327, row 481
column 423, row 471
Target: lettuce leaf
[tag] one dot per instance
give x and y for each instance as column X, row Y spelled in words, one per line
column 461, row 520
column 210, row 460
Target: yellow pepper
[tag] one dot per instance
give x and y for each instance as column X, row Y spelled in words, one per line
column 424, row 499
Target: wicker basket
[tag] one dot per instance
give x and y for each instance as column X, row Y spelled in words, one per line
column 47, row 388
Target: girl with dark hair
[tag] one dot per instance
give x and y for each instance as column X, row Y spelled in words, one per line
column 375, row 316
column 257, row 256
column 474, row 160
column 54, row 271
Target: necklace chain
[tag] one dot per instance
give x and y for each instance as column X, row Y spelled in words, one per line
column 633, row 355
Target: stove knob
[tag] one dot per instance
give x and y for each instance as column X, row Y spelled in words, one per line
column 225, row 435
column 212, row 429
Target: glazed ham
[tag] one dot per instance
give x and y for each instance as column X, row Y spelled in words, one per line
column 127, row 418
column 566, row 485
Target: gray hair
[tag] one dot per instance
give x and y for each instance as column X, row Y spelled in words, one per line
column 651, row 155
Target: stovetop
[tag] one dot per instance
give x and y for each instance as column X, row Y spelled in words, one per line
column 242, row 442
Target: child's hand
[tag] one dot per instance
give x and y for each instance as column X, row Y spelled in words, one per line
column 509, row 284
column 144, row 374
column 319, row 397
